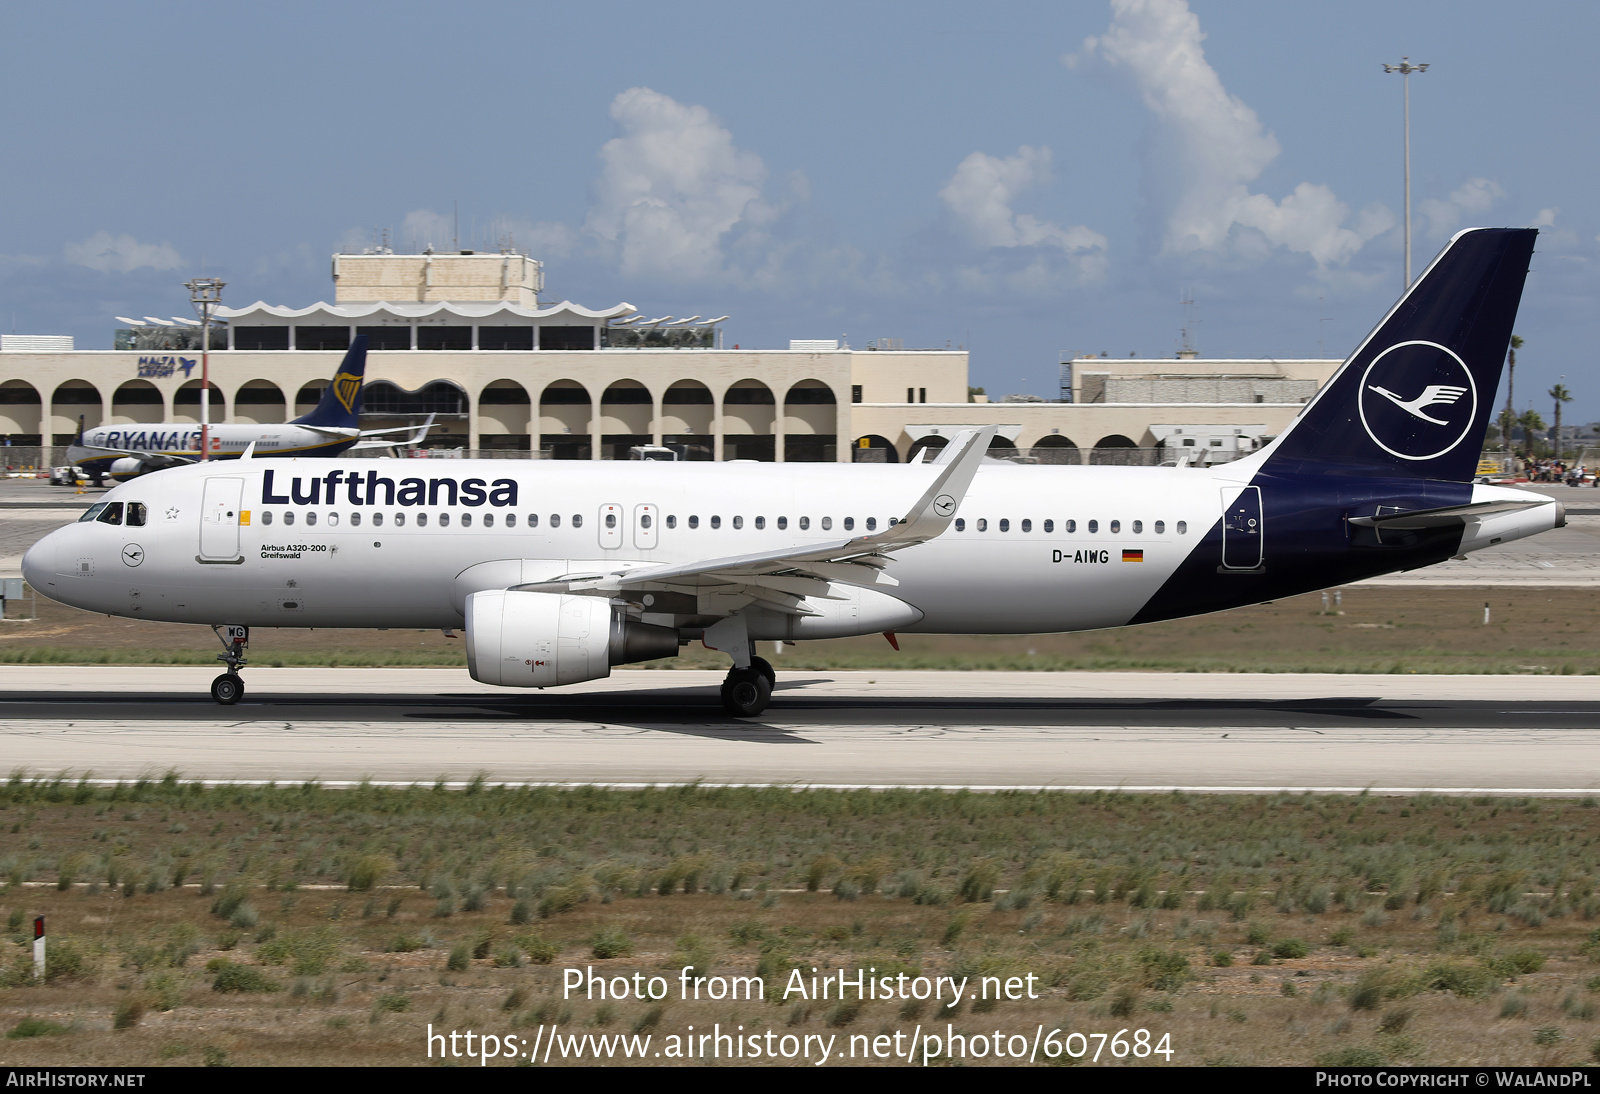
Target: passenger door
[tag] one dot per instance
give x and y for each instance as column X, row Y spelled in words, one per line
column 219, row 520
column 1242, row 530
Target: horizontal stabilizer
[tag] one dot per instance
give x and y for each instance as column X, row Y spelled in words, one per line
column 1446, row 517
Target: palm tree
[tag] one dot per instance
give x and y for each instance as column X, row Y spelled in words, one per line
column 1511, row 383
column 1531, row 423
column 1561, row 395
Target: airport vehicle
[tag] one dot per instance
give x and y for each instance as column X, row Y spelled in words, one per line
column 124, row 452
column 558, row 571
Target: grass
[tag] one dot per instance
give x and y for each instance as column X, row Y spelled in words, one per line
column 1238, row 924
column 1391, row 629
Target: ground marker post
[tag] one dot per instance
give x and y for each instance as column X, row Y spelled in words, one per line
column 38, row 948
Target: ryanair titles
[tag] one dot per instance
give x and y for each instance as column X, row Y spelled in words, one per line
column 148, row 440
column 375, row 489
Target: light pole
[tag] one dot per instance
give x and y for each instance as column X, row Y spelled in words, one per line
column 205, row 293
column 1406, row 68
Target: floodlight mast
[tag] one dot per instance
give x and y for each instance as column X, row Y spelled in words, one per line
column 205, row 293
column 1406, row 68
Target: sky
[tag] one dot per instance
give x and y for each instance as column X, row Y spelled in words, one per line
column 1023, row 179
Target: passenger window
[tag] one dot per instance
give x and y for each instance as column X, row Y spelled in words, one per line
column 112, row 514
column 872, row 524
column 511, row 520
column 738, row 522
column 333, row 520
column 1116, row 526
column 1049, row 526
column 136, row 514
column 488, row 520
column 577, row 520
column 827, row 523
column 761, row 522
column 783, row 523
column 355, row 520
column 1027, row 526
column 611, row 520
column 672, row 520
column 288, row 516
column 694, row 522
column 466, row 520
column 644, row 520
column 1161, row 527
column 983, row 524
column 399, row 520
column 94, row 511
column 805, row 524
column 555, row 520
column 1182, row 527
column 1071, row 526
column 1005, row 524
column 266, row 516
column 716, row 522
column 311, row 518
column 533, row 520
column 444, row 520
column 849, row 524
column 1094, row 526
column 961, row 524
column 1138, row 526
column 377, row 520
column 422, row 520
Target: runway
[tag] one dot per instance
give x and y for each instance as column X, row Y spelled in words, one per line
column 983, row 730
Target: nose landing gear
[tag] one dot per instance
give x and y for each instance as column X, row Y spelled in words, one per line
column 228, row 688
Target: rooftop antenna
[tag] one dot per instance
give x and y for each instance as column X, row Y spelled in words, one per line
column 1321, row 320
column 455, row 225
column 1186, row 350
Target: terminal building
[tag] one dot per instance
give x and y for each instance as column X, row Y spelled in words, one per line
column 464, row 336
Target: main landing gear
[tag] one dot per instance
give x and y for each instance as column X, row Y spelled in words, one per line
column 747, row 692
column 228, row 688
column 748, row 688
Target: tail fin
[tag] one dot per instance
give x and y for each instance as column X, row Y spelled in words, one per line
column 341, row 400
column 1415, row 399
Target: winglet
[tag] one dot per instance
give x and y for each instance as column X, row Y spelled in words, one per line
column 934, row 511
column 249, row 451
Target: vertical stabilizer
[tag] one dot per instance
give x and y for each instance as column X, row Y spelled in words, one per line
column 341, row 400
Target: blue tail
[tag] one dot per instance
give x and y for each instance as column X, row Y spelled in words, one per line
column 1414, row 400
column 341, row 400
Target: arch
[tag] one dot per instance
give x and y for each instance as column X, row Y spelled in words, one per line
column 311, row 394
column 749, row 413
column 1002, row 447
column 686, row 409
column 1054, row 448
column 442, row 397
column 932, row 440
column 138, row 400
column 505, row 410
column 71, row 400
column 1121, row 451
column 810, row 421
column 626, row 411
column 874, row 444
column 810, row 392
column 21, row 412
column 565, row 407
column 186, row 403
column 259, row 402
column 1115, row 440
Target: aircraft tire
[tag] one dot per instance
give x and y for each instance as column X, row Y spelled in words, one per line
column 746, row 693
column 764, row 667
column 228, row 688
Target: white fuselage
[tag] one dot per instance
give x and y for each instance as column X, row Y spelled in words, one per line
column 1036, row 549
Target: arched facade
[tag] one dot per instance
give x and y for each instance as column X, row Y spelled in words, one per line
column 565, row 409
column 504, row 417
column 260, row 402
column 933, row 441
column 186, row 403
column 627, row 410
column 21, row 413
column 874, row 449
column 71, row 400
column 137, row 401
column 810, row 422
column 749, row 413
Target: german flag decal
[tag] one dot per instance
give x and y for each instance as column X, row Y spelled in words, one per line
column 1132, row 556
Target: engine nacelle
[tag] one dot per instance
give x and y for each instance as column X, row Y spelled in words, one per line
column 126, row 467
column 537, row 640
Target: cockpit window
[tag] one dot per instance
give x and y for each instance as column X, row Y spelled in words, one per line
column 93, row 511
column 136, row 514
column 112, row 514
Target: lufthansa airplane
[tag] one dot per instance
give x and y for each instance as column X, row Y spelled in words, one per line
column 127, row 451
column 558, row 571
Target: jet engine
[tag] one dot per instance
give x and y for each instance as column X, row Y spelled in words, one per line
column 536, row 640
column 126, row 467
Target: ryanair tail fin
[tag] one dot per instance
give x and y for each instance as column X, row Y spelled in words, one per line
column 1415, row 398
column 341, row 400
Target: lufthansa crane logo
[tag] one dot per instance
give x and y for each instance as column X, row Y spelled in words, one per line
column 1418, row 400
column 345, row 388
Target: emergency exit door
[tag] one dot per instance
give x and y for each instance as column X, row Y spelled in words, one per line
column 1242, row 530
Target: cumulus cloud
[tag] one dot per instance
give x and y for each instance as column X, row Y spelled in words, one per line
column 980, row 195
column 1210, row 146
column 1472, row 198
column 121, row 254
column 673, row 188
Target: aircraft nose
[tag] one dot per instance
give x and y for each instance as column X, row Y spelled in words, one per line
column 39, row 562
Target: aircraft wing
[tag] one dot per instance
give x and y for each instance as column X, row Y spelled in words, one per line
column 417, row 435
column 781, row 579
column 154, row 461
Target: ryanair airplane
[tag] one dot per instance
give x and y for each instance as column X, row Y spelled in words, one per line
column 558, row 571
column 127, row 451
